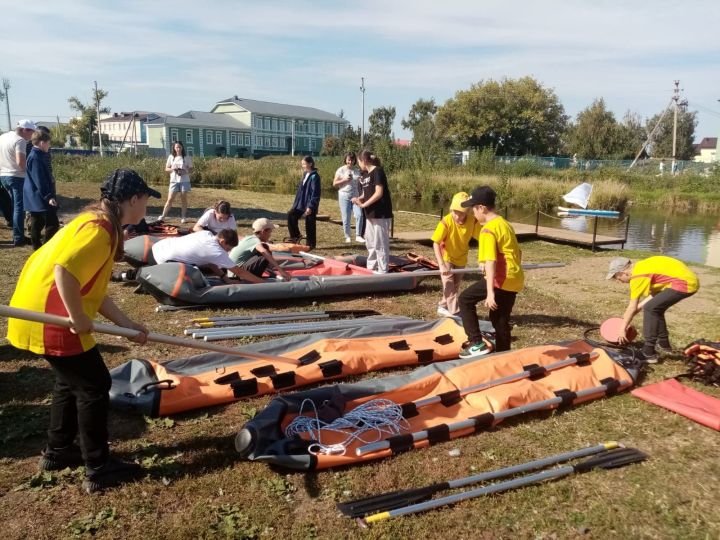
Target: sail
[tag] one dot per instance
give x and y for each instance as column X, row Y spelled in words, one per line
column 579, row 195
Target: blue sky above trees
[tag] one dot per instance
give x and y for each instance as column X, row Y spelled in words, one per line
column 314, row 52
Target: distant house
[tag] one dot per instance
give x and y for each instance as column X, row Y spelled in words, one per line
column 246, row 127
column 402, row 142
column 707, row 150
column 128, row 127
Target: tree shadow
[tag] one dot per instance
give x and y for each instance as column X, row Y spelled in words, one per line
column 74, row 204
column 539, row 319
column 22, row 429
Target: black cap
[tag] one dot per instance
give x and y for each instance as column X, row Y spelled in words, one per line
column 484, row 195
column 122, row 184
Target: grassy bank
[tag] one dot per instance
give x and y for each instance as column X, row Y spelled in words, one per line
column 197, row 488
column 531, row 188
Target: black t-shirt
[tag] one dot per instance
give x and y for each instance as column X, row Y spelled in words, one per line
column 381, row 208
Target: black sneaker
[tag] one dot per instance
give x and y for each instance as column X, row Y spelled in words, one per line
column 126, row 276
column 112, row 473
column 661, row 349
column 648, row 358
column 57, row 459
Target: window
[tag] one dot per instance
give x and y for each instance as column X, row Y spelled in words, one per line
column 258, row 140
column 190, row 151
column 321, row 128
column 274, row 142
column 258, row 122
column 274, row 124
column 311, row 141
column 188, row 136
column 218, row 137
column 281, row 125
column 208, row 137
column 312, row 127
column 174, row 134
column 247, row 139
column 282, row 142
column 266, row 123
column 233, row 139
column 267, row 142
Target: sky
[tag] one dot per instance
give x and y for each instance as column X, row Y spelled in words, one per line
column 172, row 57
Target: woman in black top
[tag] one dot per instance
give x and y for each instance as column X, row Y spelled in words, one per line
column 375, row 201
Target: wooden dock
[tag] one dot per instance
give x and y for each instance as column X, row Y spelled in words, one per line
column 526, row 231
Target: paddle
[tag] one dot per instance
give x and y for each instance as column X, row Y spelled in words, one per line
column 609, row 459
column 397, row 499
column 64, row 322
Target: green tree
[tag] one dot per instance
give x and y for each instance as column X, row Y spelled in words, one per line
column 511, row 116
column 332, row 146
column 631, row 136
column 85, row 124
column 661, row 144
column 594, row 134
column 380, row 124
column 350, row 139
column 421, row 111
column 427, row 148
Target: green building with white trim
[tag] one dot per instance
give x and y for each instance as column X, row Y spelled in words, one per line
column 240, row 127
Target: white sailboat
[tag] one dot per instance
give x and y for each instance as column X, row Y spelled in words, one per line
column 579, row 196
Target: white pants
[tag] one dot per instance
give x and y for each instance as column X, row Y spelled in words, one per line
column 377, row 240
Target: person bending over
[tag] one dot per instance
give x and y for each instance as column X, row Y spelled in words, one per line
column 216, row 219
column 662, row 282
column 254, row 254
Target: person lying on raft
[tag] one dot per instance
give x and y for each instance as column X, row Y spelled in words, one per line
column 662, row 282
column 254, row 254
column 203, row 249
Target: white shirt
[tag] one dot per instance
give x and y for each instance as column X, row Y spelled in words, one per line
column 349, row 189
column 307, row 175
column 200, row 248
column 179, row 162
column 209, row 220
column 10, row 144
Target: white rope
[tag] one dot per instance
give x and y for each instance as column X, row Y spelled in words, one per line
column 381, row 416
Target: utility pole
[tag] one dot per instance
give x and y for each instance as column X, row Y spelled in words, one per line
column 292, row 139
column 362, row 130
column 97, row 113
column 678, row 103
column 6, row 96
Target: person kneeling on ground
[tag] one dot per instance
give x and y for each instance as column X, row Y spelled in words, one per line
column 498, row 249
column 216, row 219
column 68, row 277
column 253, row 252
column 663, row 282
column 451, row 243
column 203, row 249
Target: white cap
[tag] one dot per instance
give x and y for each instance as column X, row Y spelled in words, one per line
column 26, row 124
column 260, row 224
column 618, row 264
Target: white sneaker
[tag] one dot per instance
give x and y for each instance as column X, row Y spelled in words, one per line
column 348, row 240
column 443, row 312
column 359, row 239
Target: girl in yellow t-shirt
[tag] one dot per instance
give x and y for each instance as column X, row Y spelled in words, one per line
column 68, row 276
column 451, row 243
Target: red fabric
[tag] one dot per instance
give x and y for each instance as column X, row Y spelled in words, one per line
column 682, row 400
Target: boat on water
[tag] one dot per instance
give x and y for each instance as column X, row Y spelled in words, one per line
column 580, row 196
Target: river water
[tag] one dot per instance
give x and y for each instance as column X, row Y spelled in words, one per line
column 689, row 236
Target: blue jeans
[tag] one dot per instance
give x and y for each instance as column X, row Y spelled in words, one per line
column 346, row 207
column 14, row 186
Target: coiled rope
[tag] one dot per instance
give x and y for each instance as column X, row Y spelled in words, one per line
column 379, row 416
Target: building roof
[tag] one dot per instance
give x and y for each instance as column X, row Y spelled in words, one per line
column 281, row 109
column 142, row 116
column 707, row 143
column 201, row 119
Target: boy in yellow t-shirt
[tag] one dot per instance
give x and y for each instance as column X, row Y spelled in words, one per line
column 656, row 283
column 451, row 243
column 500, row 253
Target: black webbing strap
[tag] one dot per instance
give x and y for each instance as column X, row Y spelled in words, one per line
column 248, row 387
column 450, row 398
column 536, row 371
column 283, row 380
column 483, row 422
column 409, row 409
column 264, row 371
column 331, row 368
column 439, row 433
column 401, row 345
column 400, row 443
column 568, row 397
column 612, row 386
column 444, row 339
column 582, row 359
column 227, row 379
column 425, row 356
column 309, row 358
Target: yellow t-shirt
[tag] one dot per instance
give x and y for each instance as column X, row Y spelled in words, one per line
column 454, row 239
column 654, row 274
column 497, row 242
column 86, row 248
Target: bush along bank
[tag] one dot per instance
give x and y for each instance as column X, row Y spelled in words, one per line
column 516, row 186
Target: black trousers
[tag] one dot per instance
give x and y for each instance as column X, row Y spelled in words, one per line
column 655, row 330
column 256, row 265
column 43, row 220
column 6, row 206
column 500, row 317
column 80, row 404
column 294, row 229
